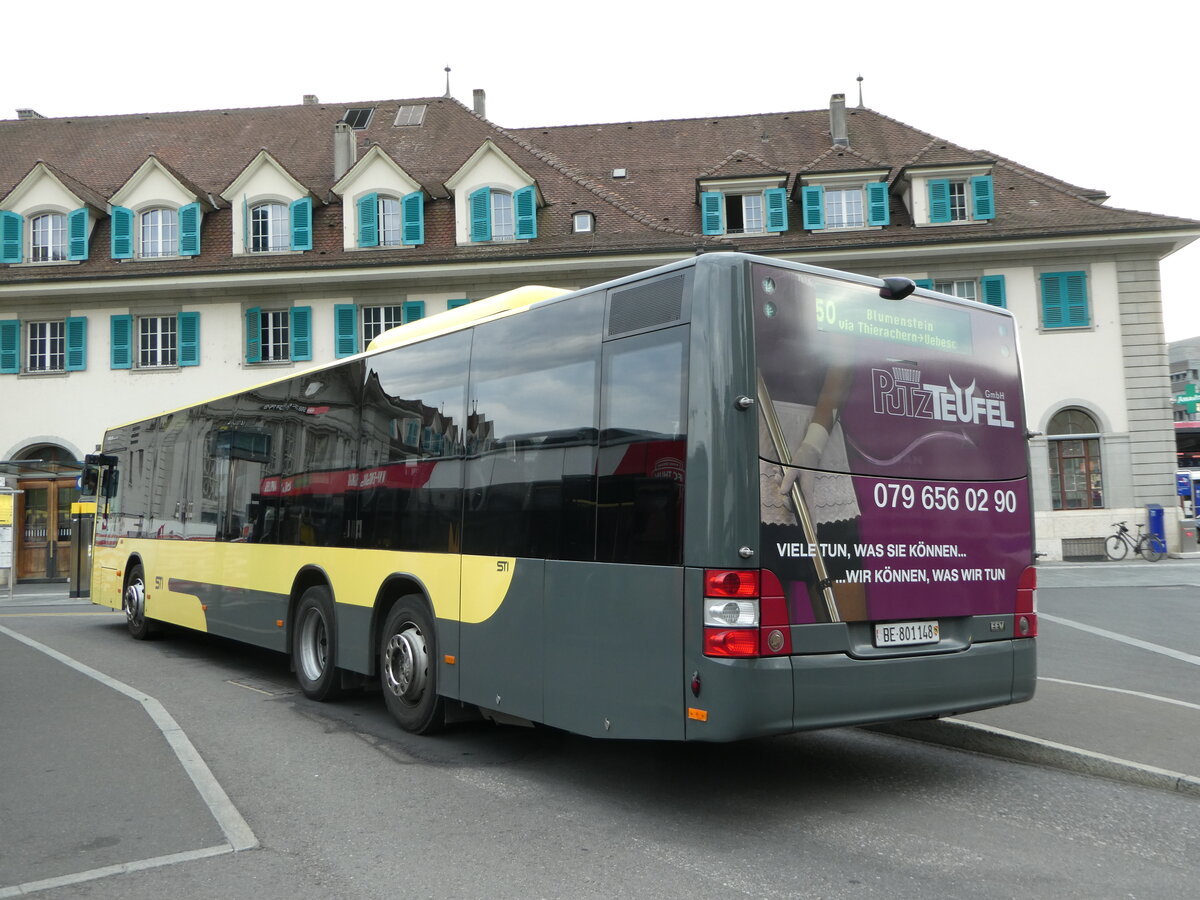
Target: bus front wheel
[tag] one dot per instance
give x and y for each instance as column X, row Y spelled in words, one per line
column 314, row 645
column 133, row 601
column 408, row 667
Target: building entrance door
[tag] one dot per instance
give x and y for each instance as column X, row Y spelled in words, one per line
column 45, row 535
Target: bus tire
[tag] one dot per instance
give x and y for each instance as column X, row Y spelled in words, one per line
column 314, row 645
column 133, row 602
column 408, row 667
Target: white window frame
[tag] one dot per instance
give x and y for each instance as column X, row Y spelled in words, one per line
column 274, row 334
column 46, row 346
column 837, row 197
column 269, row 225
column 504, row 219
column 391, row 222
column 963, row 288
column 377, row 319
column 158, row 232
column 48, row 237
column 583, row 223
column 157, row 342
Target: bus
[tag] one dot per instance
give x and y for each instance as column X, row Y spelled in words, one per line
column 730, row 497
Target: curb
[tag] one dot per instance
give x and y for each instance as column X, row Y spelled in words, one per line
column 965, row 735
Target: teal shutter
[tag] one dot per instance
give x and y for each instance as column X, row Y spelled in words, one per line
column 189, row 230
column 1064, row 300
column 121, row 239
column 414, row 310
column 455, row 304
column 992, row 289
column 300, row 327
column 481, row 214
column 368, row 221
column 301, row 217
column 939, row 200
column 412, row 207
column 525, row 205
column 984, row 205
column 254, row 334
column 777, row 216
column 813, row 200
column 77, row 234
column 76, row 343
column 10, row 347
column 926, row 283
column 345, row 329
column 120, row 342
column 189, row 339
column 12, row 229
column 878, row 212
column 712, row 212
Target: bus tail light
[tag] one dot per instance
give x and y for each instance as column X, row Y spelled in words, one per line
column 1025, row 615
column 745, row 614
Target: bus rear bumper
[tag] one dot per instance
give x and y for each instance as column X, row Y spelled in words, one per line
column 838, row 690
column 752, row 698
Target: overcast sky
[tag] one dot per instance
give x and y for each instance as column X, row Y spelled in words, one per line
column 1103, row 98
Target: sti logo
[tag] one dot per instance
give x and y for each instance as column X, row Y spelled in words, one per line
column 899, row 391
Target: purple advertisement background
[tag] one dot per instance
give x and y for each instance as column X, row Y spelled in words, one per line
column 922, row 404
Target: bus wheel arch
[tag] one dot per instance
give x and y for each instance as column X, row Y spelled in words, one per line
column 313, row 639
column 408, row 664
column 133, row 599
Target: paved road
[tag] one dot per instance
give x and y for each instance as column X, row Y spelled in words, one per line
column 341, row 803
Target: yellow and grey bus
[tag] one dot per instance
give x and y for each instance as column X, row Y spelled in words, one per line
column 729, row 497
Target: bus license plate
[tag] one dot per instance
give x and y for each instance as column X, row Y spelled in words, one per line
column 899, row 634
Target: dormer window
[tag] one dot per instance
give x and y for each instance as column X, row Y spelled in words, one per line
column 159, row 233
column 583, row 223
column 858, row 200
column 949, row 195
column 48, row 238
column 498, row 215
column 743, row 206
column 961, row 199
column 268, row 228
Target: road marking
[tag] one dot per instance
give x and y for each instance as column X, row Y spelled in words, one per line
column 32, row 615
column 1124, row 639
column 1116, row 690
column 237, row 832
column 30, row 887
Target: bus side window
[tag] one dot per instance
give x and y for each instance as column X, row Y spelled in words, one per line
column 643, row 449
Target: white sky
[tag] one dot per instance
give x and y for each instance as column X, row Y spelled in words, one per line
column 1105, row 97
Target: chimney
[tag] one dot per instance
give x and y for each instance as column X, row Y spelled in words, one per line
column 311, row 100
column 29, row 114
column 837, row 121
column 480, row 103
column 345, row 149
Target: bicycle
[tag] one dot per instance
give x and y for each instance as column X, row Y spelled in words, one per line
column 1150, row 547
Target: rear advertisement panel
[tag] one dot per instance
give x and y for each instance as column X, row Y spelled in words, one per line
column 893, row 467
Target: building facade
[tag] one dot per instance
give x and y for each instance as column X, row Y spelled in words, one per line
column 152, row 261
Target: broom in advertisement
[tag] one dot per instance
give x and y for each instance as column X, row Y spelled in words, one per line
column 784, row 455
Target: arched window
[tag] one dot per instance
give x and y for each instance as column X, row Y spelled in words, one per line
column 503, row 226
column 160, row 233
column 269, row 228
column 48, row 238
column 1076, row 481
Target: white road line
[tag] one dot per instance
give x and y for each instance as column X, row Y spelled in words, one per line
column 1125, row 639
column 32, row 887
column 234, row 827
column 1115, row 690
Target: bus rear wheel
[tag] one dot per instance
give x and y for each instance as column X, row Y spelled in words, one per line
column 133, row 602
column 314, row 645
column 408, row 667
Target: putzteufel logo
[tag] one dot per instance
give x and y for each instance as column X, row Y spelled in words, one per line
column 899, row 391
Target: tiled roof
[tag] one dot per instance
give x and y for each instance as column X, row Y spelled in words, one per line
column 652, row 208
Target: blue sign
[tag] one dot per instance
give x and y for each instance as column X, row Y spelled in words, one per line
column 1183, row 484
